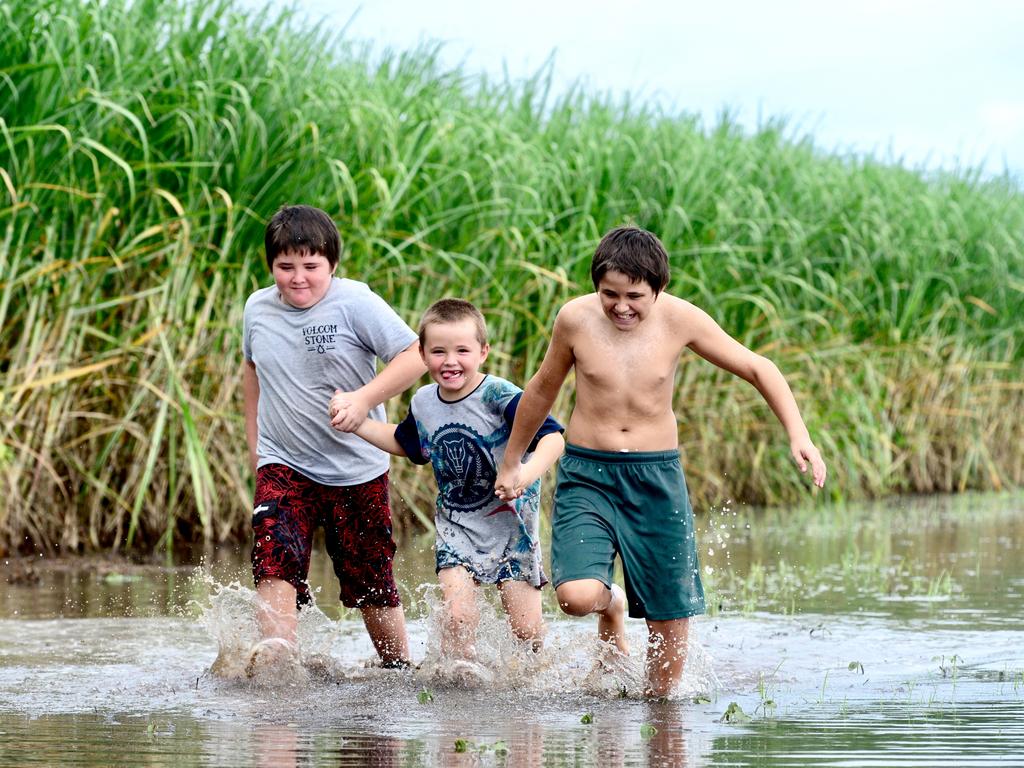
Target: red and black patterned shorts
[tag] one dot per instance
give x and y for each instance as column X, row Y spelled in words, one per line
column 357, row 527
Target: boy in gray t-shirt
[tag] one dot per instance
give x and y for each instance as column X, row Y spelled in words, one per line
column 460, row 425
column 305, row 337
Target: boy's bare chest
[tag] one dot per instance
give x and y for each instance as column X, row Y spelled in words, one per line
column 626, row 361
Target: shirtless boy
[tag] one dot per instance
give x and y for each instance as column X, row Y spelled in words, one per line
column 620, row 487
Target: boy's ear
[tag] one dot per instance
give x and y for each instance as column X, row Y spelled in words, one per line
column 423, row 355
column 484, row 349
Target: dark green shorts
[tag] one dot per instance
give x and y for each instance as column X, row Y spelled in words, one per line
column 634, row 505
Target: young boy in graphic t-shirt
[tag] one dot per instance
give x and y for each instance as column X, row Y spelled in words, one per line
column 459, row 425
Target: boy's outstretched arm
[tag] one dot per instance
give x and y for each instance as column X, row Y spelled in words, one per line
column 549, row 448
column 250, row 407
column 397, row 376
column 381, row 435
column 534, row 406
column 716, row 346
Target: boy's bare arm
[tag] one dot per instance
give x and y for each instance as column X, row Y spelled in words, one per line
column 549, row 448
column 381, row 435
column 535, row 404
column 397, row 376
column 250, row 400
column 716, row 346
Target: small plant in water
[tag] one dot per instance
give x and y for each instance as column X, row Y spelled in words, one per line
column 948, row 666
column 855, row 666
column 700, row 698
column 909, row 687
column 764, row 690
column 425, row 697
column 734, row 714
column 952, row 669
column 941, row 586
column 499, row 748
column 587, row 718
column 647, row 730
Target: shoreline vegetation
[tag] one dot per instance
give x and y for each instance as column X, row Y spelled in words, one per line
column 144, row 145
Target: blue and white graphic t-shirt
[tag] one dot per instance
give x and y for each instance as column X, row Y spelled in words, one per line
column 464, row 441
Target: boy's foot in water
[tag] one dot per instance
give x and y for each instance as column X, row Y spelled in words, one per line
column 275, row 660
column 469, row 674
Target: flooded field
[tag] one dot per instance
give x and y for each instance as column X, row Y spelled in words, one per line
column 887, row 634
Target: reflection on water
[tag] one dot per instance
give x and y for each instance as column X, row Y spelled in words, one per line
column 877, row 635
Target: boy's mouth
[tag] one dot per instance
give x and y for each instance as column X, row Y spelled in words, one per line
column 449, row 376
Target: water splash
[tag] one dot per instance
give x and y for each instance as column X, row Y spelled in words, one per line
column 572, row 660
column 229, row 617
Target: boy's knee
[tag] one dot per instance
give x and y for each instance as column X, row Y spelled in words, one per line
column 580, row 599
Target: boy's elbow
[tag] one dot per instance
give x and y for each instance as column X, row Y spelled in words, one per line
column 762, row 371
column 553, row 443
column 541, row 387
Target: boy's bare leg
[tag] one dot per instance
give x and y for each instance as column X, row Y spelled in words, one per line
column 386, row 627
column 585, row 596
column 461, row 615
column 667, row 644
column 276, row 614
column 521, row 602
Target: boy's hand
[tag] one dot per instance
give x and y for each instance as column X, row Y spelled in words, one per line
column 348, row 411
column 506, row 484
column 803, row 452
column 338, row 404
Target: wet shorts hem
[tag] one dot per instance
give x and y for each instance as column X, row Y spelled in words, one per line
column 672, row 616
column 566, row 579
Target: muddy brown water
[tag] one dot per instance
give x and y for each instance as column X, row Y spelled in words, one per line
column 882, row 634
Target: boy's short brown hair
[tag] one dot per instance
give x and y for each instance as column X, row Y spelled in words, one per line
column 302, row 229
column 452, row 311
column 634, row 252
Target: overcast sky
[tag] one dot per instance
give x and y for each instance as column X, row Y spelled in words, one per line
column 933, row 83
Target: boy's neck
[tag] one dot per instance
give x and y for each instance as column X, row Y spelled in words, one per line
column 470, row 388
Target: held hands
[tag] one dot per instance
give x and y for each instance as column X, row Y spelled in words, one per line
column 347, row 411
column 508, row 484
column 803, row 452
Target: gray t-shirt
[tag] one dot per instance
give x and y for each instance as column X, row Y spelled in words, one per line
column 301, row 357
column 464, row 441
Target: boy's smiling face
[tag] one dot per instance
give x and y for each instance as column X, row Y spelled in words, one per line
column 302, row 278
column 453, row 355
column 624, row 302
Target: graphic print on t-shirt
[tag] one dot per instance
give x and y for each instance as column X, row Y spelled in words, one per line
column 465, row 471
column 320, row 338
